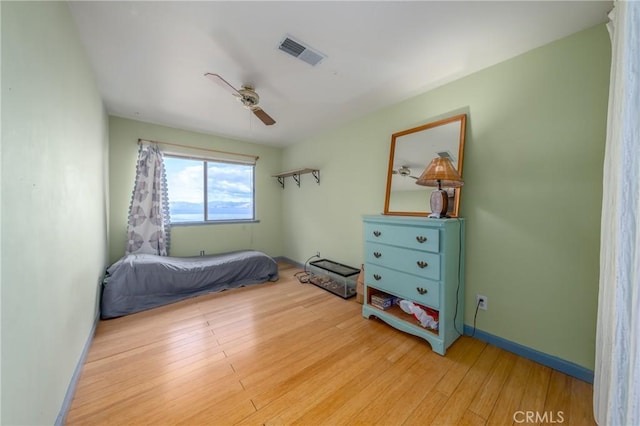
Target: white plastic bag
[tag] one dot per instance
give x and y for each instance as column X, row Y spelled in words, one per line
column 424, row 318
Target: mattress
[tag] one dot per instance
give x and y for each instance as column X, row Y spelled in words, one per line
column 142, row 281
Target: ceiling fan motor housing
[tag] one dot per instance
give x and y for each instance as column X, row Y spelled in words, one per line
column 249, row 97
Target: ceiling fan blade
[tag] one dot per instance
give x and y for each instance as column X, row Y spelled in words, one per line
column 263, row 116
column 222, row 82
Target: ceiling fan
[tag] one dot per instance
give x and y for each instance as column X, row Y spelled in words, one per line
column 246, row 95
column 404, row 171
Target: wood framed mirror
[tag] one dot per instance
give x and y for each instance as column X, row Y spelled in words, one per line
column 411, row 151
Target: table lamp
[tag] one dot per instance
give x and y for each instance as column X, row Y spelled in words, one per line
column 440, row 172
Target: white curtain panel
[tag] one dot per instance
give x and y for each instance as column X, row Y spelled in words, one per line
column 617, row 370
column 148, row 228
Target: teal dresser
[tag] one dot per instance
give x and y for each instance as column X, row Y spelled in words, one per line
column 419, row 260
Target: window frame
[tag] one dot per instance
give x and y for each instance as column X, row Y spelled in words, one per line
column 204, row 162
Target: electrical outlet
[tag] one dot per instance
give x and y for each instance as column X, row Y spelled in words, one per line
column 317, row 254
column 482, row 302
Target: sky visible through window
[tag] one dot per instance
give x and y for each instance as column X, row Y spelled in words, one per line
column 229, row 190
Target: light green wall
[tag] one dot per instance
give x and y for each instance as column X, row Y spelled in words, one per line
column 266, row 235
column 54, row 198
column 532, row 194
column 535, row 132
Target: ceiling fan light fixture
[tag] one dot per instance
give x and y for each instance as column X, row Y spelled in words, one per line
column 404, row 171
column 248, row 97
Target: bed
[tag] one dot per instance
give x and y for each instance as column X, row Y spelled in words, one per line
column 142, row 281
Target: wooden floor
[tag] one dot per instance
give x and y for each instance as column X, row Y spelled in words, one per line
column 291, row 353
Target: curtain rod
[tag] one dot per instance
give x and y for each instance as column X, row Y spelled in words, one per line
column 255, row 157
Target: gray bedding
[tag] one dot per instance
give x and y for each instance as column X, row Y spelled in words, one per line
column 143, row 281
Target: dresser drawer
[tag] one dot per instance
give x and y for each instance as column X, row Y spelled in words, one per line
column 415, row 262
column 407, row 286
column 414, row 237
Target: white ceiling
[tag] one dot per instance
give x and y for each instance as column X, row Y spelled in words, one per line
column 150, row 57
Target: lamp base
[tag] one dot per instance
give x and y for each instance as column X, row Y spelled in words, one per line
column 439, row 203
column 438, row 216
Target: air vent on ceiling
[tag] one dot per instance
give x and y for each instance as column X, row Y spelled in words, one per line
column 300, row 51
column 445, row 154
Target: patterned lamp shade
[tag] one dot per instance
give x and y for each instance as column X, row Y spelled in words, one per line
column 440, row 173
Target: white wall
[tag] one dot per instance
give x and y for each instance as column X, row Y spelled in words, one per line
column 54, row 199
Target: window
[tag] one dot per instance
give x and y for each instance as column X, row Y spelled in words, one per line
column 209, row 190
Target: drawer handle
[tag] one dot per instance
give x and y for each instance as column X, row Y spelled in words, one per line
column 377, row 277
column 421, row 290
column 377, row 254
column 422, row 264
column 421, row 239
column 377, row 233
